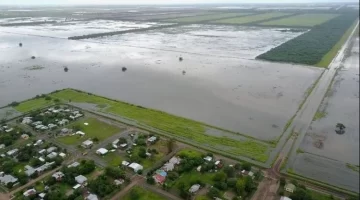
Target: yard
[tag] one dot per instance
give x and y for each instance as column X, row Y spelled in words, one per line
column 140, row 193
column 177, row 126
column 95, row 128
column 306, row 20
column 206, row 17
column 113, row 159
column 33, row 104
column 251, row 18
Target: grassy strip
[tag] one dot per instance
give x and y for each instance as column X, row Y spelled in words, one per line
column 319, row 115
column 294, row 175
column 320, row 196
column 251, row 18
column 142, row 194
column 305, row 20
column 326, row 60
column 181, row 127
column 206, row 17
column 355, row 168
column 33, row 104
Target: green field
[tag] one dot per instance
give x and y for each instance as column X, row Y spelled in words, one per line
column 33, row 104
column 179, row 127
column 320, row 196
column 96, row 128
column 205, row 17
column 306, row 20
column 251, row 18
column 193, row 175
column 142, row 194
column 327, row 59
column 113, row 159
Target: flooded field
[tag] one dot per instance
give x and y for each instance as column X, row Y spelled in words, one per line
column 328, row 153
column 28, row 19
column 77, row 28
column 243, row 95
column 229, row 41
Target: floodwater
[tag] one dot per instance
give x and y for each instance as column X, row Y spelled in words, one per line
column 328, row 164
column 66, row 29
column 219, row 40
column 243, row 95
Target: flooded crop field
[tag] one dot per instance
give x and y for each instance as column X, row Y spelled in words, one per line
column 341, row 105
column 243, row 95
column 214, row 40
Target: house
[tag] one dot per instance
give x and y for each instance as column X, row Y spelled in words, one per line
column 29, row 192
column 136, row 167
column 6, row 179
column 194, row 188
column 41, row 159
column 29, row 170
column 123, row 145
column 208, row 158
column 285, row 198
column 218, row 164
column 74, row 164
column 290, row 187
column 80, row 133
column 9, row 130
column 62, row 155
column 251, row 174
column 101, row 151
column 119, row 182
column 12, row 152
column 37, row 123
column 2, row 146
column 44, row 167
column 125, row 163
column 168, row 167
column 116, row 141
column 39, row 142
column 65, row 131
column 87, row 144
column 76, row 186
column 27, row 120
column 114, row 146
column 159, row 179
column 51, row 149
column 175, row 160
column 91, row 197
column 42, row 151
column 58, row 176
column 25, row 136
column 42, row 195
column 81, row 180
column 52, row 155
column 198, row 168
column 152, row 139
column 52, row 126
column 63, row 122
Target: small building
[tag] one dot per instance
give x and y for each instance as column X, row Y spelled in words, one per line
column 39, row 142
column 29, row 170
column 42, row 151
column 285, row 198
column 87, row 144
column 136, row 167
column 168, row 167
column 91, row 197
column 194, row 188
column 80, row 133
column 101, row 151
column 251, row 174
column 42, row 195
column 9, row 130
column 25, row 136
column 64, row 131
column 290, row 187
column 218, row 164
column 29, row 192
column 198, row 168
column 76, row 186
column 52, row 155
column 63, row 155
column 51, row 149
column 81, row 180
column 125, row 163
column 175, row 160
column 52, row 126
column 2, row 146
column 41, row 159
column 74, row 164
column 159, row 179
column 58, row 176
column 27, row 120
column 116, row 141
column 119, row 181
column 123, row 145
column 208, row 158
column 6, row 179
column 152, row 139
column 12, row 152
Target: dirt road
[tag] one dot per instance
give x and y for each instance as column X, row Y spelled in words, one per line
column 134, row 181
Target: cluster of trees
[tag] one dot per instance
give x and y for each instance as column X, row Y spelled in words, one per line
column 310, row 47
column 11, row 137
column 85, row 167
column 102, row 185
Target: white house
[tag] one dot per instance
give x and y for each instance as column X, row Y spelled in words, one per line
column 168, row 167
column 290, row 187
column 91, row 197
column 76, row 186
column 12, row 152
column 74, row 164
column 125, row 163
column 42, row 151
column 58, row 175
column 26, row 120
column 194, row 188
column 87, row 144
column 62, row 155
column 39, row 142
column 208, row 158
column 152, row 139
column 80, row 133
column 175, row 160
column 42, row 195
column 29, row 192
column 51, row 149
column 285, row 198
column 136, row 167
column 81, row 180
column 5, row 179
column 52, row 155
column 2, row 146
column 29, row 170
column 102, row 151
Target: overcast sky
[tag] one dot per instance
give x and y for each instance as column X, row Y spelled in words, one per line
column 97, row 2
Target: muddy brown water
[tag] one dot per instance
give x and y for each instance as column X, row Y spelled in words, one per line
column 230, row 90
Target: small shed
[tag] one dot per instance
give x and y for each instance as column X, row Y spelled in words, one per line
column 87, row 144
column 101, row 151
column 290, row 187
column 194, row 188
column 81, row 179
column 136, row 167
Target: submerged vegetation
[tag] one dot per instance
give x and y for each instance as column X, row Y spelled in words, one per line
column 310, row 47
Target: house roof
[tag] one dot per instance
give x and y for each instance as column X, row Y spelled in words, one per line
column 194, row 188
column 159, row 179
column 80, row 179
column 208, row 158
column 126, row 163
column 136, row 167
column 8, row 179
column 92, row 197
column 29, row 192
column 161, row 172
column 80, row 133
column 168, row 166
column 175, row 160
column 285, row 198
column 290, row 186
column 74, row 164
column 102, row 151
column 76, row 186
column 88, row 142
column 58, row 175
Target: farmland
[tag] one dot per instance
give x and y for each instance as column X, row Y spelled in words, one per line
column 311, row 47
column 206, row 17
column 306, row 20
column 251, row 18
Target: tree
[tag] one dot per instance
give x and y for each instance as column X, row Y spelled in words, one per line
column 170, row 145
column 56, row 100
column 240, row 187
column 282, row 181
column 122, row 140
column 47, row 98
column 220, row 177
column 230, row 171
column 114, row 172
column 213, row 192
column 246, row 166
column 300, row 194
column 95, row 139
column 237, row 166
column 249, row 184
column 172, row 175
column 231, row 182
column 150, row 180
column 134, row 194
column 221, row 186
column 142, row 152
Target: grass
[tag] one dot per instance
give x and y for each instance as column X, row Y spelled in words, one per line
column 299, row 151
column 194, row 175
column 355, row 168
column 39, row 186
column 306, row 20
column 33, row 104
column 182, row 128
column 251, row 18
column 113, row 159
column 202, row 197
column 189, row 153
column 320, row 196
column 327, row 59
column 96, row 128
column 205, row 17
column 319, row 115
column 143, row 194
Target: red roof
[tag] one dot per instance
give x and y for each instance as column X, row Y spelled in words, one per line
column 159, row 179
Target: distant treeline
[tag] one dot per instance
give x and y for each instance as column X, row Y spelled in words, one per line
column 29, row 23
column 310, row 47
